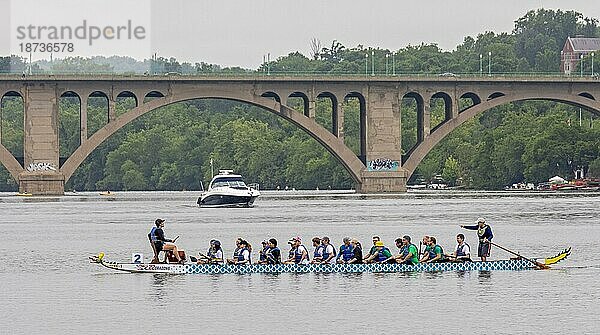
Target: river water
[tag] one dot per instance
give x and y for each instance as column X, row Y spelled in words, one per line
column 47, row 285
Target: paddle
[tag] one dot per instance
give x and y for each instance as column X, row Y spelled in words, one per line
column 538, row 264
column 175, row 239
column 420, row 245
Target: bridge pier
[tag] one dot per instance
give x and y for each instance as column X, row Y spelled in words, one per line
column 42, row 183
column 41, row 174
column 383, row 182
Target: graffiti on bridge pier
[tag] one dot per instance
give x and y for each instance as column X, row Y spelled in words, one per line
column 40, row 167
column 383, row 164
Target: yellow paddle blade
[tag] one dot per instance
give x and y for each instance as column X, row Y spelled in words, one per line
column 100, row 256
column 562, row 255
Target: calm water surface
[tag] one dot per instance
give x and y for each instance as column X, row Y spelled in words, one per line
column 48, row 286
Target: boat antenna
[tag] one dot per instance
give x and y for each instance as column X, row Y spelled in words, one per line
column 212, row 171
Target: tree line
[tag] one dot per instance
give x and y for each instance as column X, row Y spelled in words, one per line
column 171, row 148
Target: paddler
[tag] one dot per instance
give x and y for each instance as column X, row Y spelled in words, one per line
column 484, row 232
column 236, row 252
column 373, row 248
column 328, row 251
column 409, row 254
column 357, row 251
column 157, row 237
column 462, row 253
column 346, row 251
column 435, row 252
column 274, row 254
column 262, row 254
column 318, row 253
column 300, row 255
column 214, row 255
column 381, row 254
column 244, row 254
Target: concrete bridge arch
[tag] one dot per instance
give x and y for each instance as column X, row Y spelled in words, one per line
column 267, row 101
column 418, row 153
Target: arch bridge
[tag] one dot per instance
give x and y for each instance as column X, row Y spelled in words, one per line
column 380, row 166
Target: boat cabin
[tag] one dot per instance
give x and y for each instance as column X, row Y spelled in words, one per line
column 226, row 178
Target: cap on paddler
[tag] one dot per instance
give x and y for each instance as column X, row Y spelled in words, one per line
column 480, row 220
column 158, row 221
column 379, row 244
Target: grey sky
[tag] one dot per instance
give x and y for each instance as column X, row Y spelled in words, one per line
column 231, row 32
column 240, row 32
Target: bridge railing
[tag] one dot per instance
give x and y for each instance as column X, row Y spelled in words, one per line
column 308, row 74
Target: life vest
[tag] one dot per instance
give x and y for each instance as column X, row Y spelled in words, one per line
column 240, row 256
column 298, row 254
column 272, row 258
column 152, row 234
column 346, row 252
column 460, row 250
column 381, row 256
column 263, row 254
column 481, row 232
column 326, row 254
column 432, row 253
column 319, row 251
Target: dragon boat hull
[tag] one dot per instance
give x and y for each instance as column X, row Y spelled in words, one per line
column 512, row 265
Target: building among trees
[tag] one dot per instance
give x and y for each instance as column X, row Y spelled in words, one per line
column 574, row 50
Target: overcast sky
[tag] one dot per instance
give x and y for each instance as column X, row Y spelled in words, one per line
column 240, row 32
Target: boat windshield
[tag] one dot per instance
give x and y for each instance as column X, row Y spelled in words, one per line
column 229, row 182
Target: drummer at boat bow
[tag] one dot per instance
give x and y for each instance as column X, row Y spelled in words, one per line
column 300, row 254
column 160, row 243
column 484, row 232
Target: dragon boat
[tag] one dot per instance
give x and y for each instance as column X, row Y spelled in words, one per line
column 514, row 264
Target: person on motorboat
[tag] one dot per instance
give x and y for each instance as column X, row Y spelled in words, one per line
column 381, row 254
column 328, row 251
column 300, row 255
column 274, row 254
column 214, row 255
column 346, row 253
column 318, row 253
column 160, row 243
column 373, row 248
column 236, row 252
column 462, row 253
column 244, row 254
column 484, row 232
column 262, row 254
column 435, row 253
column 357, row 257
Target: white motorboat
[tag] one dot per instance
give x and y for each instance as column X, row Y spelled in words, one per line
column 228, row 190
